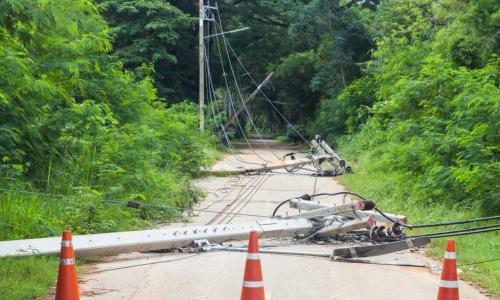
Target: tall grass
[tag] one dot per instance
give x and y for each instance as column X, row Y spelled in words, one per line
column 25, row 215
column 31, row 214
column 27, row 277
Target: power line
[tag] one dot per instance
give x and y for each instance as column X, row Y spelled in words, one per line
column 244, row 190
column 267, row 98
column 212, row 103
column 211, row 93
column 230, row 98
column 236, row 82
column 460, row 231
column 245, row 202
column 135, row 204
column 231, row 147
column 478, row 262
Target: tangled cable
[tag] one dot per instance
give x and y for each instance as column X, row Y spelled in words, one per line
column 466, row 231
column 309, row 197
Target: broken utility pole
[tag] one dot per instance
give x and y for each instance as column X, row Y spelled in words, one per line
column 155, row 239
column 257, row 90
column 321, row 148
column 320, row 154
column 323, row 222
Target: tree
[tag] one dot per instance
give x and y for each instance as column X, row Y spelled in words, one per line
column 339, row 42
column 431, row 94
column 300, row 100
column 67, row 105
column 156, row 33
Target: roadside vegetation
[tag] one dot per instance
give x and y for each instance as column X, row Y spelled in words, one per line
column 433, row 110
column 421, row 125
column 395, row 191
column 79, row 131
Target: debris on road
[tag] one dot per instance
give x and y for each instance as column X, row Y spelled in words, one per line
column 319, row 155
column 322, row 222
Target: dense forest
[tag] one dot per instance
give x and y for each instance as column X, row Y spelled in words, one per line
column 98, row 102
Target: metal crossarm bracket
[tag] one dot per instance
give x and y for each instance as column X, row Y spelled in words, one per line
column 309, row 206
column 320, row 147
column 207, row 13
column 202, row 245
column 380, row 249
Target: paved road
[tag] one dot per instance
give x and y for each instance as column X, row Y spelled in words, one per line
column 218, row 275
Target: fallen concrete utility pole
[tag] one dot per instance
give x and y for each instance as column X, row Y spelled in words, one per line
column 311, row 206
column 322, row 222
column 155, row 239
column 321, row 152
column 268, row 167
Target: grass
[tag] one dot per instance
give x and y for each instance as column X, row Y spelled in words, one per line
column 29, row 213
column 27, row 277
column 211, row 155
column 65, row 200
column 25, row 215
column 282, row 138
column 392, row 191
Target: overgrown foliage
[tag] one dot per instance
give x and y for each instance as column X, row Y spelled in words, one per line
column 433, row 99
column 325, row 42
column 80, row 136
column 75, row 123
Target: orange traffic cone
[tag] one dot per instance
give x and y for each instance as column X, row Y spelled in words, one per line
column 448, row 289
column 67, row 284
column 253, row 285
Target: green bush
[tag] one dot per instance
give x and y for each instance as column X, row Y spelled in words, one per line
column 80, row 136
column 424, row 109
column 74, row 123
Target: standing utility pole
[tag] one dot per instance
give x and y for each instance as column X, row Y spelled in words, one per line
column 201, row 93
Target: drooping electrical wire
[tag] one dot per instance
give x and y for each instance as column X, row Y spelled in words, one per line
column 228, row 140
column 218, row 24
column 230, row 97
column 266, row 97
